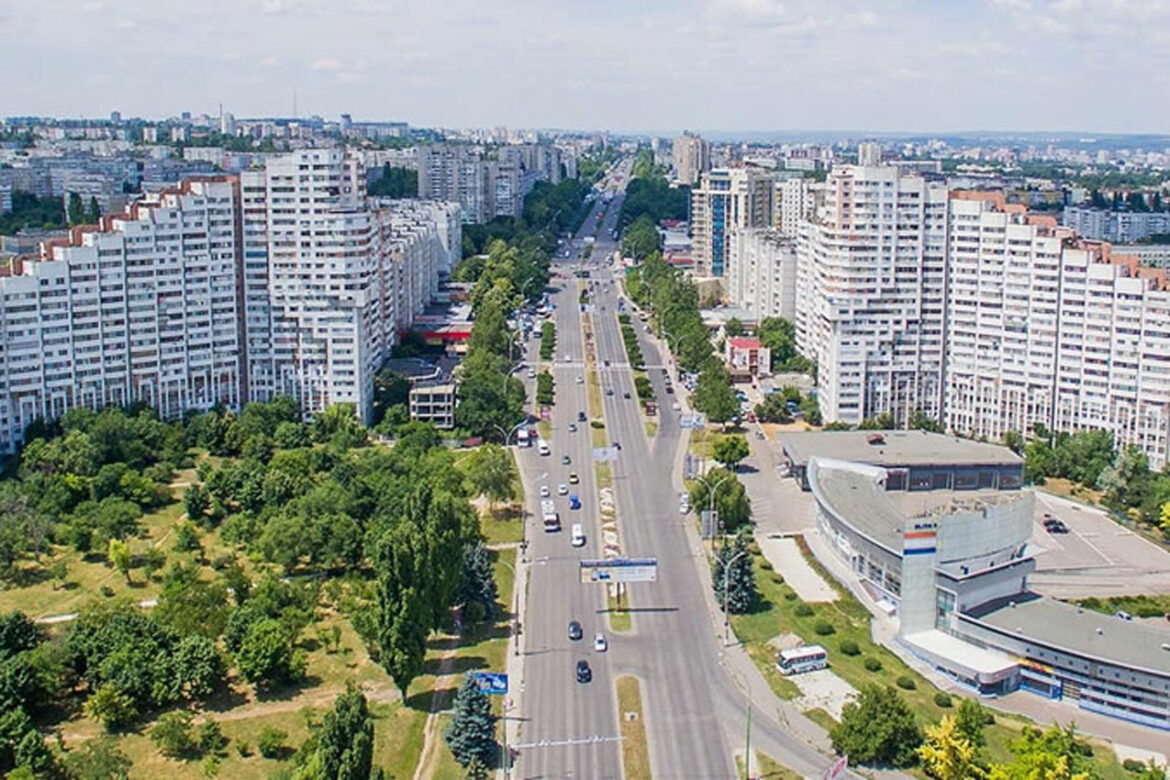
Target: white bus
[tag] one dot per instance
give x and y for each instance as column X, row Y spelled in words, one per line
column 802, row 659
column 552, row 520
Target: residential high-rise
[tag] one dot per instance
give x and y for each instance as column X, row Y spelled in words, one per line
column 869, row 154
column 795, row 202
column 691, row 156
column 1120, row 227
column 727, row 198
column 761, row 272
column 871, row 284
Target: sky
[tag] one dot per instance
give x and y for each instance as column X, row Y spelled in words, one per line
column 918, row 66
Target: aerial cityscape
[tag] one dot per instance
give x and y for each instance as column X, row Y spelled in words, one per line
column 714, row 389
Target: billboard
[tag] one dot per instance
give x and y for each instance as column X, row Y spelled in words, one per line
column 491, row 682
column 620, row 570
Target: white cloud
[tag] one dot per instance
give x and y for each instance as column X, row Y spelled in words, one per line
column 751, row 8
column 326, row 63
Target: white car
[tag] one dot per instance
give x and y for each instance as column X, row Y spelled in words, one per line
column 580, row 380
column 532, row 373
column 599, row 643
column 567, row 358
column 544, row 491
column 676, row 406
column 562, row 490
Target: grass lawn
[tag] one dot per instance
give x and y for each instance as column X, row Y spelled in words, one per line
column 1070, row 489
column 635, row 749
column 593, row 388
column 620, row 620
column 767, row 768
column 651, row 429
column 597, row 436
column 821, row 717
column 503, row 525
column 544, row 429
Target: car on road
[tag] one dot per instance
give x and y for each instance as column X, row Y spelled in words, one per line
column 605, row 363
column 626, row 395
column 572, row 427
column 575, row 631
column 1055, row 526
column 609, row 391
column 599, row 643
column 544, row 491
column 617, row 445
column 676, row 406
column 573, row 478
column 584, row 673
column 565, row 460
column 669, row 388
column 580, row 416
column 580, row 380
column 567, row 358
column 665, row 371
column 574, row 501
column 562, row 490
column 532, row 373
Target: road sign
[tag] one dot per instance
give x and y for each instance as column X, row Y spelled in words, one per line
column 605, row 453
column 620, row 570
column 695, row 421
column 708, row 522
column 491, row 682
column 837, row 769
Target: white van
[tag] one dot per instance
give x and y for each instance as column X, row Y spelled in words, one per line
column 543, row 448
column 578, row 536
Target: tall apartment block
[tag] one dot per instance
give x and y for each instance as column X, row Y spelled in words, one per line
column 222, row 291
column 691, row 156
column 726, row 199
column 761, row 272
column 871, row 286
column 1120, row 227
column 795, row 201
column 485, row 188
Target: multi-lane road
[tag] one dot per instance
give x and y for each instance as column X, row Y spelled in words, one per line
column 695, row 712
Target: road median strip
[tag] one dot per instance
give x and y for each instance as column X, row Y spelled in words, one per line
column 635, row 748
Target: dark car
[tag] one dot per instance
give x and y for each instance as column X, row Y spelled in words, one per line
column 584, row 673
column 626, row 395
column 575, row 632
column 580, row 416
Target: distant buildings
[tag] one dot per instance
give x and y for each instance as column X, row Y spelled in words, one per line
column 725, row 199
column 1121, row 227
column 691, row 156
column 485, row 188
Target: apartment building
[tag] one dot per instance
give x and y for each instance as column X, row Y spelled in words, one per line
column 761, row 272
column 485, row 188
column 795, row 201
column 142, row 308
column 871, row 281
column 1118, row 227
column 222, row 291
column 727, row 198
column 691, row 156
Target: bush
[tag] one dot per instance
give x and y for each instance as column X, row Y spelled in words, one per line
column 243, row 748
column 766, row 565
column 790, row 595
column 942, row 699
column 211, row 738
column 1133, row 765
column 907, row 683
column 802, row 610
column 849, row 647
column 596, row 424
column 270, row 743
column 776, row 578
column 824, row 628
column 873, row 665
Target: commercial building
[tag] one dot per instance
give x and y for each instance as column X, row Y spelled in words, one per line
column 761, row 272
column 727, row 198
column 747, row 357
column 871, row 289
column 691, row 156
column 953, row 569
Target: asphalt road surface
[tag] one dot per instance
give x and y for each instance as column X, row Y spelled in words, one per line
column 695, row 714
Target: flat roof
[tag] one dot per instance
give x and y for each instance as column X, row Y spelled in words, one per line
column 856, row 498
column 1107, row 638
column 981, row 660
column 896, row 448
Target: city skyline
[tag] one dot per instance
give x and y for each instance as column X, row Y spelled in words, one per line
column 1009, row 65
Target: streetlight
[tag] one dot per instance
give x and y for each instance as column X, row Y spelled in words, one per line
column 726, row 591
column 508, row 434
column 711, row 488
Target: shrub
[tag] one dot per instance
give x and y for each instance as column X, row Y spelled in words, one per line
column 766, row 565
column 790, row 595
column 243, row 748
column 211, row 738
column 802, row 610
column 596, row 424
column 1133, row 765
column 942, row 699
column 873, row 665
column 906, row 683
column 824, row 628
column 270, row 743
column 776, row 578
column 849, row 647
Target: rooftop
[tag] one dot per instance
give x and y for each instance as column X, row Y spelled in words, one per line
column 1080, row 631
column 893, row 448
column 744, row 343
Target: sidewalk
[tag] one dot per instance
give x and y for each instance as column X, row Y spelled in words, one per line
column 514, row 665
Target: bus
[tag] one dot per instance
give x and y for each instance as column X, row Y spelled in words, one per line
column 552, row 521
column 802, row 659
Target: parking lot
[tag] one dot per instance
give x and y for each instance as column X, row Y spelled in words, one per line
column 1096, row 557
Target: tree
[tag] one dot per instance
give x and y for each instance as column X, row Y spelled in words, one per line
column 714, row 395
column 153, row 560
column 75, row 210
column 921, row 421
column 1014, row 441
column 723, row 489
column 271, row 742
column 881, row 422
column 1055, row 754
column 266, row 656
column 402, row 637
column 200, row 669
column 733, row 328
column 641, row 238
column 730, row 450
column 196, row 501
column 93, row 212
column 192, row 606
column 97, row 759
column 479, row 580
column 110, row 707
column 471, row 734
column 810, row 408
column 877, row 728
column 1125, row 481
column 740, row 579
column 970, row 719
column 489, row 470
column 779, row 336
column 947, row 754
column 171, row 733
column 18, row 633
column 119, row 557
column 345, row 742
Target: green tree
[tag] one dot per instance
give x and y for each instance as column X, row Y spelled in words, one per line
column 947, row 754
column 97, row 759
column 119, row 556
column 1014, row 441
column 196, row 501
column 877, row 728
column 471, row 734
column 730, row 450
column 489, row 470
column 199, row 666
column 739, row 578
column 971, row 718
column 18, row 633
column 722, row 488
column 733, row 328
column 779, row 336
column 172, row 733
column 641, row 238
column 1055, row 754
column 153, row 560
column 110, row 707
column 93, row 212
column 403, row 637
column 345, row 741
column 75, row 210
column 810, row 408
column 921, row 421
column 271, row 742
column 479, row 580
column 714, row 395
column 1125, row 481
column 266, row 657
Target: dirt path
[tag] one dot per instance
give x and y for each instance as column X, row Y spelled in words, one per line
column 429, row 753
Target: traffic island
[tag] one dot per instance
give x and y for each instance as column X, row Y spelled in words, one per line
column 635, row 749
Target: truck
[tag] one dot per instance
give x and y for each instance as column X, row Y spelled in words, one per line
column 548, row 512
column 522, row 439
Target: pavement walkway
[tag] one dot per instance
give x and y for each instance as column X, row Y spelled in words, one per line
column 785, row 556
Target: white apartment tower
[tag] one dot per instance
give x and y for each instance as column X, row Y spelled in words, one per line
column 691, row 156
column 795, row 201
column 727, row 198
column 871, row 284
column 761, row 272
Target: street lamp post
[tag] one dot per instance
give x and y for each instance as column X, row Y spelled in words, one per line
column 507, row 434
column 726, row 592
column 711, row 488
